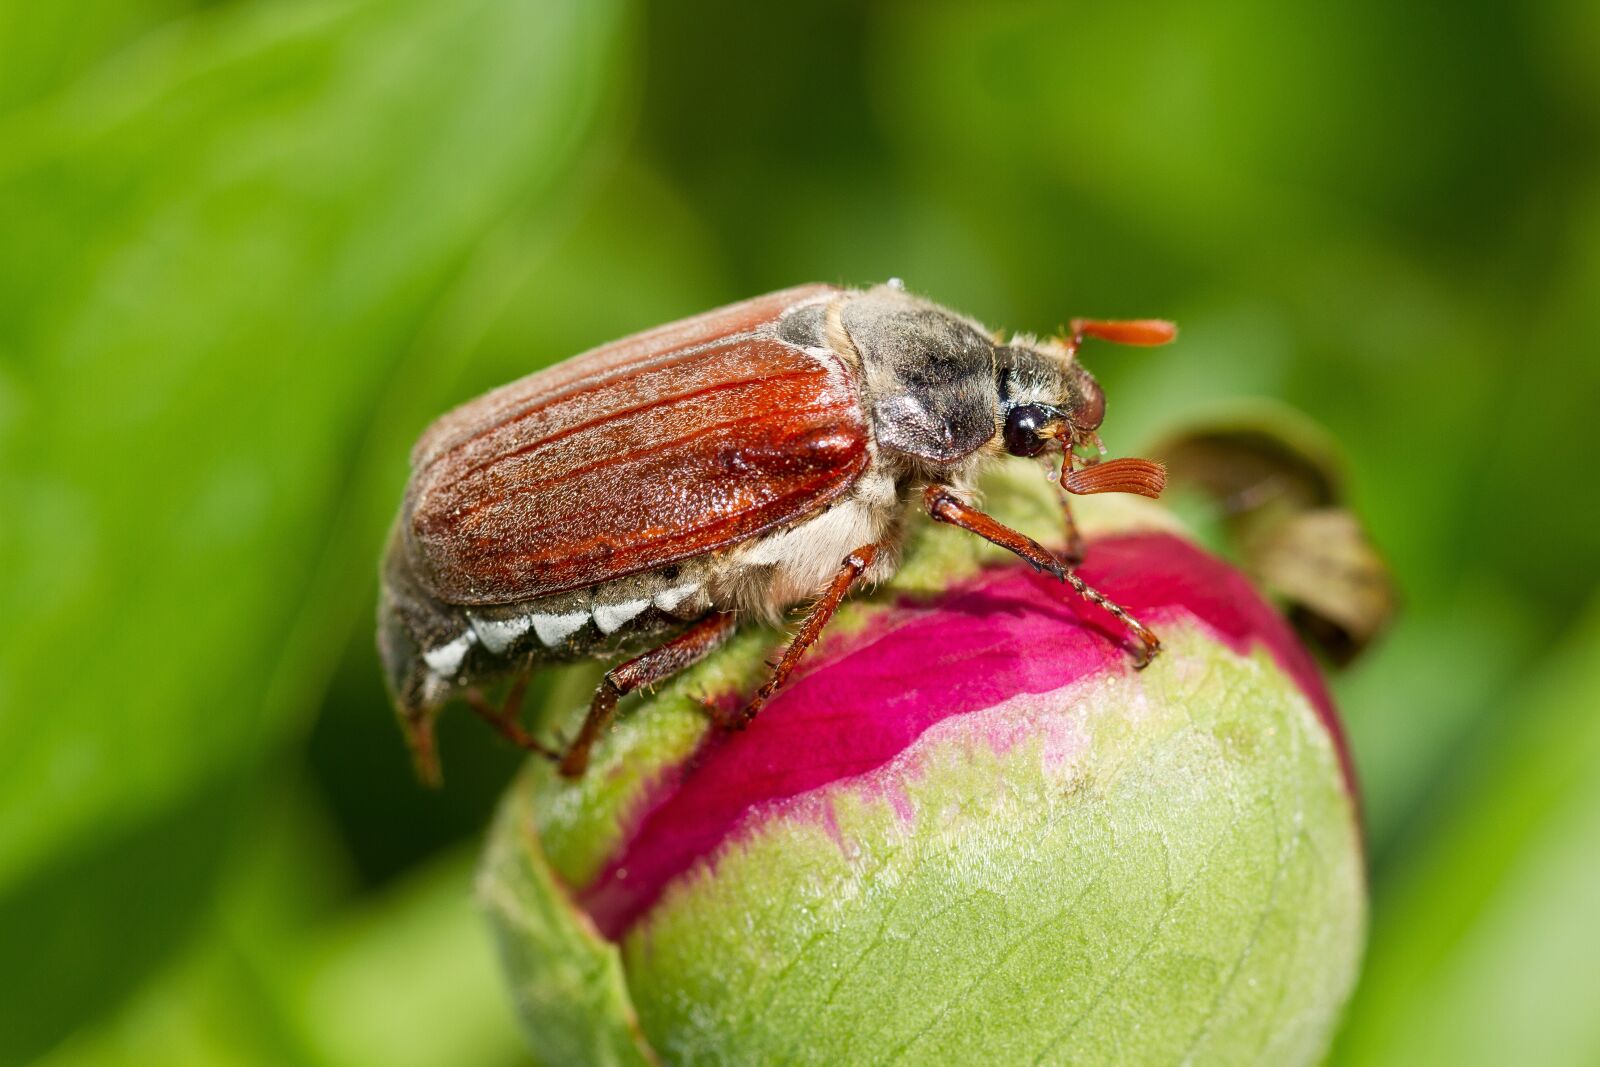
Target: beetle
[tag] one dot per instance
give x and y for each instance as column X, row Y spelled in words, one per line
column 650, row 493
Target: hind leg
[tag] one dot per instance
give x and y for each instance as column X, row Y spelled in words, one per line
column 507, row 718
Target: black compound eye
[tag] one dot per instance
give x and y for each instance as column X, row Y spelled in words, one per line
column 1023, row 424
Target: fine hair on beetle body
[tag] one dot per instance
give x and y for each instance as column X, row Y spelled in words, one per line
column 643, row 498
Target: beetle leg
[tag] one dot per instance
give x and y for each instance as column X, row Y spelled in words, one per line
column 656, row 665
column 506, row 718
column 417, row 725
column 1072, row 555
column 855, row 565
column 944, row 506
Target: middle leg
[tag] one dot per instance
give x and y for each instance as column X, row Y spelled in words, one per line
column 854, row 566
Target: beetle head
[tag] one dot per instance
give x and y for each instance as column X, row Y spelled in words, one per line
column 1046, row 397
column 941, row 390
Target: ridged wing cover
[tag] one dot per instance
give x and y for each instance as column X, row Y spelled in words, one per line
column 662, row 446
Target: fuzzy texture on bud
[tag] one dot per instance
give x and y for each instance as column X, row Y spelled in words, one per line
column 967, row 832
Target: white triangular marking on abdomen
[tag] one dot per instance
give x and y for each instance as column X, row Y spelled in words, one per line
column 668, row 599
column 445, row 660
column 496, row 635
column 554, row 629
column 610, row 616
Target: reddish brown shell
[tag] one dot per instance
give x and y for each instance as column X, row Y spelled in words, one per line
column 652, row 449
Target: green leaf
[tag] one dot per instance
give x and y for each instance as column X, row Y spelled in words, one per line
column 402, row 978
column 47, row 46
column 1483, row 951
column 219, row 254
column 407, row 978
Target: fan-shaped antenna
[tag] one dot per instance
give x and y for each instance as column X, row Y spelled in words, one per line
column 1143, row 332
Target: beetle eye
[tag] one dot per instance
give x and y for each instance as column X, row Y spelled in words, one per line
column 1023, row 424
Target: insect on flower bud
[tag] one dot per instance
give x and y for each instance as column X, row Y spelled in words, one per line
column 968, row 831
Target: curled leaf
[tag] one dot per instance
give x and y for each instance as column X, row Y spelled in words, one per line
column 1276, row 481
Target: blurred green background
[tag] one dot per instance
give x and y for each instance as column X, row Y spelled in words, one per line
column 248, row 248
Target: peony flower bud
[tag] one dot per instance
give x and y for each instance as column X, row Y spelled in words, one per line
column 968, row 831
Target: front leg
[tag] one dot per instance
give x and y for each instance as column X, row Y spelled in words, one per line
column 944, row 506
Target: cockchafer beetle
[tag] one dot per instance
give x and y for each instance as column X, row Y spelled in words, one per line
column 649, row 493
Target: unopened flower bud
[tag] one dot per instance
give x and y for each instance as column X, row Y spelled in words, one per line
column 968, row 831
